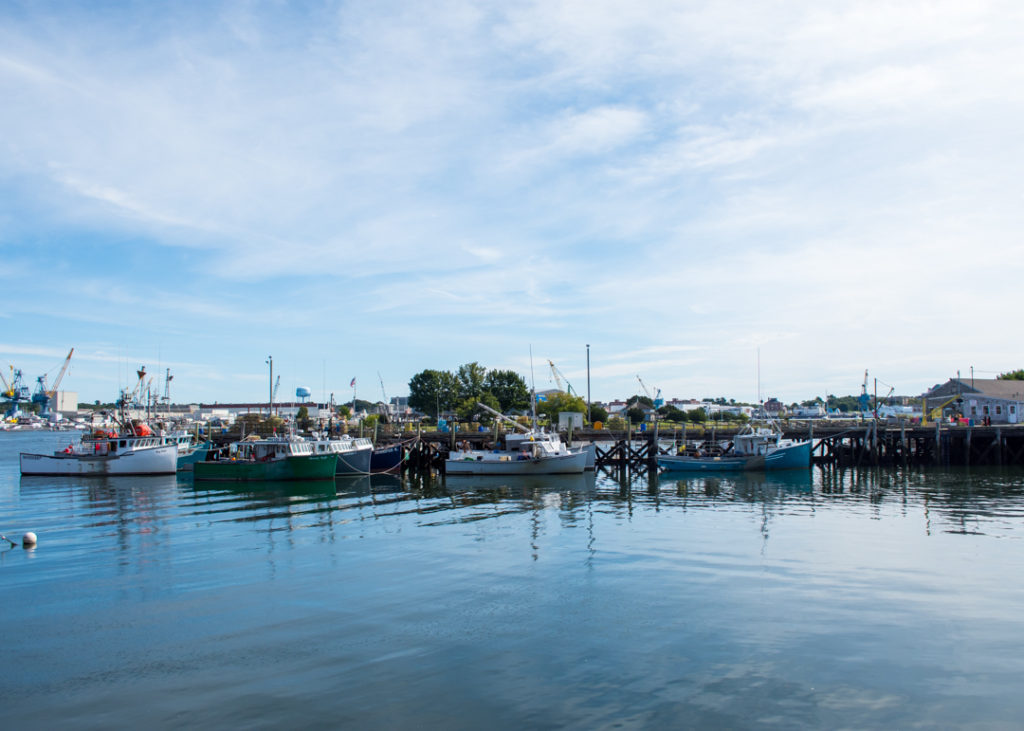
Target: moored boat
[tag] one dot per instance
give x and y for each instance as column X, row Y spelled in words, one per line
column 277, row 458
column 530, row 452
column 189, row 454
column 387, row 459
column 543, row 455
column 107, row 455
column 761, row 448
column 353, row 454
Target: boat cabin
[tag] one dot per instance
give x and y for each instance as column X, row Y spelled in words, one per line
column 265, row 450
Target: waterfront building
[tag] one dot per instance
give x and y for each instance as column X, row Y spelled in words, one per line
column 977, row 398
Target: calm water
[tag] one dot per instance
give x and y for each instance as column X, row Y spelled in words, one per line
column 811, row 600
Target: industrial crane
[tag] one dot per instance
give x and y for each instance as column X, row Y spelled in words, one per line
column 655, row 398
column 131, row 398
column 8, row 391
column 167, row 388
column 45, row 395
column 935, row 413
column 864, row 400
column 558, row 376
column 15, row 389
column 384, row 410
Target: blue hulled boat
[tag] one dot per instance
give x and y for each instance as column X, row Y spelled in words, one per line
column 761, row 448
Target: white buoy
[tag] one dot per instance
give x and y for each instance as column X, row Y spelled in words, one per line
column 28, row 540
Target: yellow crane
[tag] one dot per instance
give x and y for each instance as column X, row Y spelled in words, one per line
column 558, row 377
column 935, row 413
column 8, row 391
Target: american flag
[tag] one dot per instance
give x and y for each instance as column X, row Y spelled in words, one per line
column 353, row 384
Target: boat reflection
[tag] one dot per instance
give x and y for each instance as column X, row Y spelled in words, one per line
column 367, row 485
column 271, row 488
column 520, row 485
column 747, row 486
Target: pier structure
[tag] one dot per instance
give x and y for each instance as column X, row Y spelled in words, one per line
column 865, row 444
column 871, row 443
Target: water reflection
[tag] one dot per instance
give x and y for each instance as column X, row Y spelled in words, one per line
column 136, row 511
column 881, row 600
column 520, row 485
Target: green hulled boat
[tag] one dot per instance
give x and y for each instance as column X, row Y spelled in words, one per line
column 279, row 458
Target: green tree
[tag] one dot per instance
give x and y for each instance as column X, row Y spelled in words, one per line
column 616, row 422
column 302, row 417
column 558, row 402
column 641, row 401
column 696, row 416
column 509, row 388
column 636, row 414
column 1017, row 375
column 431, row 390
column 470, row 379
column 598, row 413
column 671, row 413
column 469, row 408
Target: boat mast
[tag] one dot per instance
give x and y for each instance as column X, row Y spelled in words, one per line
column 501, row 416
column 533, row 392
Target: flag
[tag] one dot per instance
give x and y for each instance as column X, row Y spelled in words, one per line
column 353, row 384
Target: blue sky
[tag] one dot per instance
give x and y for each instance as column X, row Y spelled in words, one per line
column 364, row 188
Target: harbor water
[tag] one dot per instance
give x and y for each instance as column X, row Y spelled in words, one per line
column 797, row 600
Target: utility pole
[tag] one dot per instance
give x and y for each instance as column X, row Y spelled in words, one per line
column 588, row 385
column 270, row 392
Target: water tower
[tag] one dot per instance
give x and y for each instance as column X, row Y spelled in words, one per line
column 302, row 394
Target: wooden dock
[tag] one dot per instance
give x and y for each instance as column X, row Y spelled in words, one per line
column 850, row 444
column 870, row 443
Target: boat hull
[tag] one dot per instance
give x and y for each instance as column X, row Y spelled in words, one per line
column 157, row 460
column 796, row 456
column 506, row 464
column 300, row 467
column 198, row 453
column 388, row 458
column 354, row 462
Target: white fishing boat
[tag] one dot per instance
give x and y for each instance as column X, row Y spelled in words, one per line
column 111, row 454
column 514, row 441
column 532, row 452
column 129, row 447
column 541, row 457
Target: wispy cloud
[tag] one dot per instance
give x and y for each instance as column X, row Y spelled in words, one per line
column 677, row 184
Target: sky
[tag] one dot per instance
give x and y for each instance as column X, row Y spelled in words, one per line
column 722, row 199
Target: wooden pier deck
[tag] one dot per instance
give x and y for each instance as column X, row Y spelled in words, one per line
column 868, row 443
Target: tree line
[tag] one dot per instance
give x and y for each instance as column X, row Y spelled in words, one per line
column 434, row 392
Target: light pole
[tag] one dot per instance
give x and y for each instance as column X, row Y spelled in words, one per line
column 270, row 392
column 588, row 384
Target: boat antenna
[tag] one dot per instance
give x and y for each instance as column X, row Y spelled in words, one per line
column 533, row 390
column 760, row 404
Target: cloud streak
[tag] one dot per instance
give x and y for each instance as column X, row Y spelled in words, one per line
column 677, row 185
